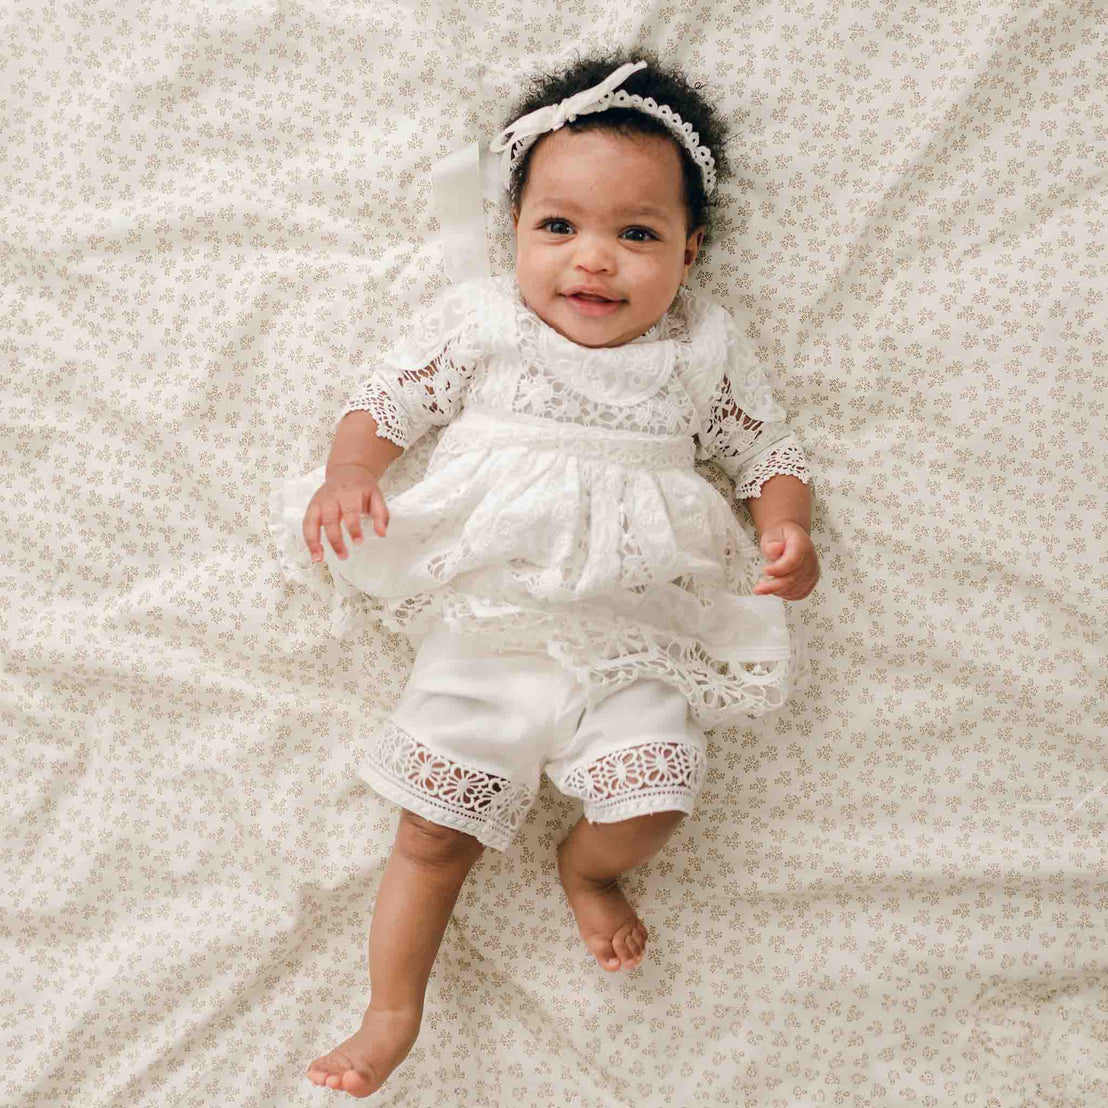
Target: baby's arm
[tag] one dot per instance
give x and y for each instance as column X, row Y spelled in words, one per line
column 356, row 442
column 359, row 456
column 783, row 516
column 762, row 458
column 783, row 498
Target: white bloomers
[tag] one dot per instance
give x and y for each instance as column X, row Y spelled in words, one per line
column 474, row 730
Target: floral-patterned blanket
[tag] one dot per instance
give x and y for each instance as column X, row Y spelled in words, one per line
column 892, row 892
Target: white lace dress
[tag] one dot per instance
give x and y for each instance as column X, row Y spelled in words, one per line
column 548, row 499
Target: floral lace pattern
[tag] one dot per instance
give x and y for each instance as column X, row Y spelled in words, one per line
column 637, row 780
column 480, row 345
column 608, row 643
column 782, row 457
column 633, row 781
column 560, row 509
column 489, row 807
column 405, row 404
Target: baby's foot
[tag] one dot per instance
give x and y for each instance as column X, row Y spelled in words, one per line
column 607, row 922
column 360, row 1065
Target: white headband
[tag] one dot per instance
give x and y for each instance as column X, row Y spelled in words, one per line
column 463, row 180
column 517, row 138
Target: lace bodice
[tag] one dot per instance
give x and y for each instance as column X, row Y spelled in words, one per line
column 690, row 377
column 547, row 499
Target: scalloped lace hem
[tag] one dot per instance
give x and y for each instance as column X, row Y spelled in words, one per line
column 488, row 807
column 610, row 652
column 659, row 776
column 636, row 780
column 788, row 459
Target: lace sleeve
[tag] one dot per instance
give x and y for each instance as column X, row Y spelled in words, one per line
column 408, row 403
column 423, row 381
column 749, row 451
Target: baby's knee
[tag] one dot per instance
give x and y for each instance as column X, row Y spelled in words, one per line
column 431, row 844
column 662, row 823
column 666, row 820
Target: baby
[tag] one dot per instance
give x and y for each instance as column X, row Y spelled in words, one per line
column 583, row 602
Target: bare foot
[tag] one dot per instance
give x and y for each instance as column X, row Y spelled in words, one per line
column 360, row 1065
column 607, row 922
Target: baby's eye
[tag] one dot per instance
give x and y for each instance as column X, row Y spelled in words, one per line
column 557, row 226
column 639, row 234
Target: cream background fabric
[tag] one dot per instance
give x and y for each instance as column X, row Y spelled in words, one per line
column 892, row 893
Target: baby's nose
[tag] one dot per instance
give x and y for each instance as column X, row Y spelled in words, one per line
column 594, row 254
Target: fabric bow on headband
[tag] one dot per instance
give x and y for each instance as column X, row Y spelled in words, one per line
column 514, row 140
column 462, row 180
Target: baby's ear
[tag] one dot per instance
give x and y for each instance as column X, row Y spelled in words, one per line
column 692, row 247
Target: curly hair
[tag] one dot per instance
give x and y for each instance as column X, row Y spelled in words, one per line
column 667, row 85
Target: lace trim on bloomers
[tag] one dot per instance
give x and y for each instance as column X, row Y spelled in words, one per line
column 648, row 777
column 635, row 781
column 484, row 805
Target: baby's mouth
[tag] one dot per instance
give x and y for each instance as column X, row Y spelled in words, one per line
column 592, row 303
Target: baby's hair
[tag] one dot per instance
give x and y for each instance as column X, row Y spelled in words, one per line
column 667, row 85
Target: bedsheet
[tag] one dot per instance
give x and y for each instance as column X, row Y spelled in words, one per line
column 893, row 891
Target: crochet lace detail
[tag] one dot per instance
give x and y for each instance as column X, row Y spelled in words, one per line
column 647, row 777
column 489, row 807
column 407, row 402
column 749, row 451
column 607, row 651
column 784, row 457
column 633, row 781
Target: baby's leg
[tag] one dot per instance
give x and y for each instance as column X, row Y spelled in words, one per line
column 419, row 888
column 589, row 861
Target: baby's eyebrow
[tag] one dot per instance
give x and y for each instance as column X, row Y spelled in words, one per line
column 644, row 211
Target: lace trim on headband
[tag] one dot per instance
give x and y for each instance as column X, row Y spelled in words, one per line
column 665, row 115
column 518, row 136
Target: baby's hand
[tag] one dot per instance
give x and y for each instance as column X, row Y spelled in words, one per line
column 792, row 568
column 348, row 492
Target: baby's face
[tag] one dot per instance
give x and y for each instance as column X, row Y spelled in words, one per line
column 601, row 242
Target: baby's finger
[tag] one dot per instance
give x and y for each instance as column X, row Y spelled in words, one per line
column 332, row 524
column 380, row 512
column 773, row 549
column 784, row 564
column 350, row 504
column 310, row 530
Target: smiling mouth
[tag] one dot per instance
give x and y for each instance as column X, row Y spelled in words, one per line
column 591, row 304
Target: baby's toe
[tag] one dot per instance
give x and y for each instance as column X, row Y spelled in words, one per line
column 630, row 943
column 605, row 953
column 329, row 1069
